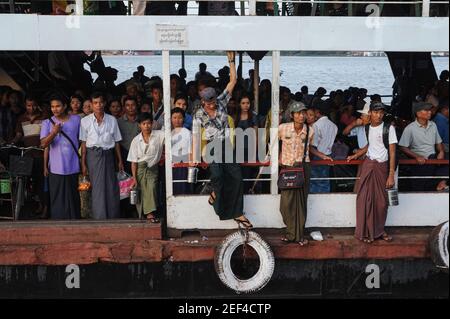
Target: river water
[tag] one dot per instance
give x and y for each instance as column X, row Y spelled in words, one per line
column 372, row 73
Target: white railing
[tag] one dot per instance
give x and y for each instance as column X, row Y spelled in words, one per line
column 249, row 6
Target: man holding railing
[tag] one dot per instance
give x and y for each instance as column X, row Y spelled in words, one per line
column 211, row 124
column 420, row 140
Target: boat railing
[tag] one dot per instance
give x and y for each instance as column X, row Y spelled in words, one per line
column 418, row 8
column 334, row 163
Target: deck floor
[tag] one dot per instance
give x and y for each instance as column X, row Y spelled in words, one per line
column 131, row 241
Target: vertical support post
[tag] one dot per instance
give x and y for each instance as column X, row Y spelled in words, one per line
column 425, row 8
column 37, row 66
column 12, row 6
column 183, row 60
column 275, row 111
column 242, row 8
column 256, row 86
column 79, row 7
column 239, row 73
column 252, row 7
column 167, row 126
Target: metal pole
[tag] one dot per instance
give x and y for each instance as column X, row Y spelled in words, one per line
column 425, row 8
column 183, row 60
column 275, row 111
column 11, row 6
column 36, row 66
column 242, row 8
column 167, row 125
column 252, row 7
column 239, row 75
column 79, row 5
column 256, row 86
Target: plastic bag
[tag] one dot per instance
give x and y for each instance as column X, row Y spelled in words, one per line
column 84, row 184
column 316, row 235
column 125, row 184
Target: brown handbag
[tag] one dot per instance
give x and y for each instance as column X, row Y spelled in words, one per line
column 294, row 177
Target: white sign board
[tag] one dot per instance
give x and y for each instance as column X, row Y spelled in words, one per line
column 171, row 36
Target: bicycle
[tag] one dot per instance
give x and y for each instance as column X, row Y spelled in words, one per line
column 21, row 169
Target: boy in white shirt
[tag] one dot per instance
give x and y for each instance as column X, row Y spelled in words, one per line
column 145, row 153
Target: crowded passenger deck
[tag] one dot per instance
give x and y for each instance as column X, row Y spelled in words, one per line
column 77, row 145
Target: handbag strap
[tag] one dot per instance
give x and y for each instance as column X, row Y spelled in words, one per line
column 305, row 151
column 67, row 137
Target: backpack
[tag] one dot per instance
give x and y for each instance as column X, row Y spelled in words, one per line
column 386, row 128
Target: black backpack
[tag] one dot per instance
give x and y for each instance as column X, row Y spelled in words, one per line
column 386, row 128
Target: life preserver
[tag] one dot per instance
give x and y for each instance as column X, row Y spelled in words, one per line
column 222, row 262
column 439, row 246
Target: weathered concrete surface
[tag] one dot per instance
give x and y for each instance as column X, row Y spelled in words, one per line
column 135, row 241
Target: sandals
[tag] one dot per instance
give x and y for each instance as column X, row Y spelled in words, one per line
column 303, row 242
column 152, row 219
column 211, row 199
column 386, row 237
column 287, row 241
column 245, row 223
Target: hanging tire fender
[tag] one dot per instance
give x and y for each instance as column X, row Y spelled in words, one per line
column 438, row 243
column 222, row 262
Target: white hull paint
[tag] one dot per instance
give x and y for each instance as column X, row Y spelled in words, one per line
column 405, row 34
column 324, row 210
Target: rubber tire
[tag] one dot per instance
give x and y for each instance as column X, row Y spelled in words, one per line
column 222, row 262
column 439, row 246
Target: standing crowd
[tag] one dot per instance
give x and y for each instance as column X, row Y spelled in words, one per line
column 119, row 128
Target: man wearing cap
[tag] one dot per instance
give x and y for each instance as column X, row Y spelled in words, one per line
column 325, row 134
column 211, row 124
column 293, row 203
column 377, row 174
column 356, row 128
column 421, row 141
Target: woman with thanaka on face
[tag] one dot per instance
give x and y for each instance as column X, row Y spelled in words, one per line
column 76, row 106
column 145, row 153
column 87, row 107
column 246, row 119
column 181, row 150
column 181, row 103
column 59, row 137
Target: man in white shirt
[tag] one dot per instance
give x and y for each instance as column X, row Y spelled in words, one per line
column 377, row 174
column 325, row 133
column 100, row 137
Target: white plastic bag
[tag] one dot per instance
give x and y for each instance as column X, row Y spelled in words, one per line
column 316, row 235
column 125, row 183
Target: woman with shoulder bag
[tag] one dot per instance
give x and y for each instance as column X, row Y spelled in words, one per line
column 295, row 173
column 60, row 135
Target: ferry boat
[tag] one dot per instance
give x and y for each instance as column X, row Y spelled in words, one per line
column 130, row 258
